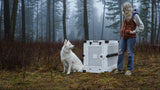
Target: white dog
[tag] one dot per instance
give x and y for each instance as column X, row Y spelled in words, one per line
column 69, row 59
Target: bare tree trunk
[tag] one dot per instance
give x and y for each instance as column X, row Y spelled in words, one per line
column 1, row 20
column 6, row 20
column 23, row 22
column 155, row 25
column 32, row 21
column 41, row 23
column 152, row 26
column 157, row 40
column 54, row 32
column 49, row 21
column 103, row 20
column 14, row 18
column 86, row 21
column 48, row 26
column 37, row 23
column 64, row 19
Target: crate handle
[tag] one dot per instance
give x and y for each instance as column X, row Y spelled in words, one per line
column 111, row 55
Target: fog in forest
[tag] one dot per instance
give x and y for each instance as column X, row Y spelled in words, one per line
column 55, row 20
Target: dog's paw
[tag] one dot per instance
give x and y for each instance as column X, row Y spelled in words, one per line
column 74, row 70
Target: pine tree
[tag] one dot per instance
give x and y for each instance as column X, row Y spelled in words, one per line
column 114, row 14
column 145, row 17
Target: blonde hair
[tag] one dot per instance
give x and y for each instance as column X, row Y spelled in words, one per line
column 127, row 7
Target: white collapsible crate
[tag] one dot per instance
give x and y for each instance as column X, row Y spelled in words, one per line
column 100, row 55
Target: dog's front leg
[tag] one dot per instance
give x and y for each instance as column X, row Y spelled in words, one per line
column 69, row 68
column 64, row 66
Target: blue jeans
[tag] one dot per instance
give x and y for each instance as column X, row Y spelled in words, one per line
column 129, row 44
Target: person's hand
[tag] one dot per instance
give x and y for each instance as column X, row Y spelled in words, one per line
column 131, row 32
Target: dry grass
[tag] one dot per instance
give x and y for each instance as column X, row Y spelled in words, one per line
column 44, row 58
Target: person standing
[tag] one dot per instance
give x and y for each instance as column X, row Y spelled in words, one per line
column 132, row 24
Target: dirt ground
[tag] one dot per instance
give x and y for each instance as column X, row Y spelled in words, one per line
column 146, row 75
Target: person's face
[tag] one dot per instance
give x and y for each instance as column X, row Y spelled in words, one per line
column 123, row 9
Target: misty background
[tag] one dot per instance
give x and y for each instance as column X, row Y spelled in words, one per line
column 54, row 20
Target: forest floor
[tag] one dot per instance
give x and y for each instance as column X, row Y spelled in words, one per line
column 146, row 75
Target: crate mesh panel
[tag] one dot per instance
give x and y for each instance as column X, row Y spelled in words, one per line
column 112, row 49
column 112, row 61
column 94, row 56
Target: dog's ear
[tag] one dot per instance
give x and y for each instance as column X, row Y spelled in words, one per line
column 65, row 42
